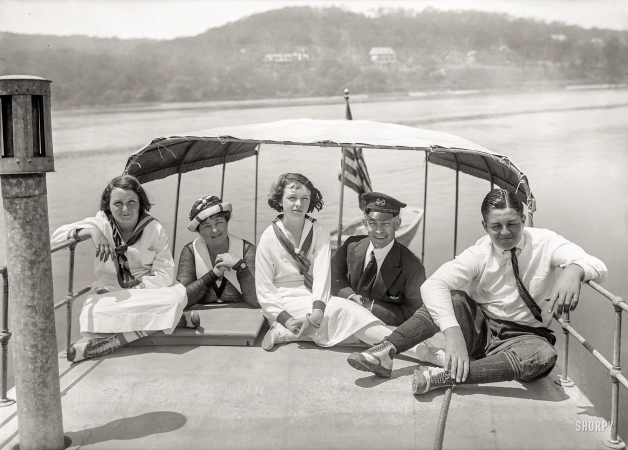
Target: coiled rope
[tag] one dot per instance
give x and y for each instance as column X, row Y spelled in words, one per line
column 442, row 419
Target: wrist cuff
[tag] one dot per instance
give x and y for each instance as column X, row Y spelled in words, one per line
column 283, row 317
column 320, row 305
column 239, row 265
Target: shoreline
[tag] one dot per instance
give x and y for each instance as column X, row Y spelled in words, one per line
column 304, row 101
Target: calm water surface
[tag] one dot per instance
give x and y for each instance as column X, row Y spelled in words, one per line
column 573, row 146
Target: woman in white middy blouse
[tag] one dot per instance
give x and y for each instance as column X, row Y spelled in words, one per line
column 293, row 279
column 135, row 293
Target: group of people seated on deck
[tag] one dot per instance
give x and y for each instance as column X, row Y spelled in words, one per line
column 494, row 302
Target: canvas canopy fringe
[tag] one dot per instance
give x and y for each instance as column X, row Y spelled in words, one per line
column 183, row 153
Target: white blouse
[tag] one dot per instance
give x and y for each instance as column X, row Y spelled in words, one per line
column 149, row 258
column 275, row 268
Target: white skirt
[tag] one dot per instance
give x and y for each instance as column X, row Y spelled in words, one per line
column 342, row 317
column 133, row 310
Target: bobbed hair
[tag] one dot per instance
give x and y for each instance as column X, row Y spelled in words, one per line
column 275, row 196
column 128, row 183
column 209, row 201
column 501, row 199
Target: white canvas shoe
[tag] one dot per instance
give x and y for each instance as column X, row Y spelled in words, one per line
column 377, row 359
column 277, row 334
column 426, row 352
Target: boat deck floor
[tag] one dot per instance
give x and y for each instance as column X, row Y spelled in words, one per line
column 298, row 396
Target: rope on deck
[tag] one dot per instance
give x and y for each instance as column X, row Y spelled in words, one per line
column 442, row 419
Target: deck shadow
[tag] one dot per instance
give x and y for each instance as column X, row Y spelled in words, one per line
column 124, row 352
column 129, row 428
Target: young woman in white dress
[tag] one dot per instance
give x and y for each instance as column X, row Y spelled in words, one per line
column 293, row 277
column 135, row 292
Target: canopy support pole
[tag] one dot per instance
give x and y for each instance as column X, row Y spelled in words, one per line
column 427, row 158
column 222, row 179
column 256, row 184
column 342, row 195
column 176, row 214
column 456, row 218
column 176, row 204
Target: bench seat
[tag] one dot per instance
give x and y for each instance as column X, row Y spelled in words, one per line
column 221, row 324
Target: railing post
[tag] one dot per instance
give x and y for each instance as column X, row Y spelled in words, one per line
column 5, row 335
column 564, row 379
column 614, row 440
column 68, row 335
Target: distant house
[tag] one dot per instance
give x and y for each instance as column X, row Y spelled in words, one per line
column 383, row 55
column 558, row 37
column 286, row 57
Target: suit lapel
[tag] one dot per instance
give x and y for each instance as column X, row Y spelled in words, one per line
column 357, row 256
column 388, row 273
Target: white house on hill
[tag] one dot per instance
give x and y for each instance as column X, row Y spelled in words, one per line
column 383, row 55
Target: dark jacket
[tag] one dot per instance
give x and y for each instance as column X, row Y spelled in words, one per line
column 396, row 289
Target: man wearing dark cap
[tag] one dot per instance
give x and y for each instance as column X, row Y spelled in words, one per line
column 376, row 271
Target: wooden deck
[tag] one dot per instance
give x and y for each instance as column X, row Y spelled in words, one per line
column 298, row 396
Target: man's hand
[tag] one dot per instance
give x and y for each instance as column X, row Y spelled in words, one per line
column 356, row 298
column 456, row 354
column 566, row 291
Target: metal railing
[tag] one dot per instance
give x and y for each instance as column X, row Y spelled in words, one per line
column 614, row 368
column 5, row 334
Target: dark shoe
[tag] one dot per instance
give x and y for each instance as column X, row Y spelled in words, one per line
column 426, row 379
column 93, row 347
column 190, row 319
column 377, row 359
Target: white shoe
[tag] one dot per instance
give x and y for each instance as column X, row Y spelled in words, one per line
column 278, row 334
column 377, row 359
column 426, row 352
column 93, row 347
column 426, row 379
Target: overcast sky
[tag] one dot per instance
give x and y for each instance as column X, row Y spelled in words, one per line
column 167, row 19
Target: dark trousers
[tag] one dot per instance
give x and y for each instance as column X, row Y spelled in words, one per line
column 530, row 350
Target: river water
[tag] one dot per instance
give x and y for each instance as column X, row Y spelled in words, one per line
column 572, row 145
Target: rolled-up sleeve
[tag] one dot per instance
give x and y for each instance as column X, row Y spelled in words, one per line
column 567, row 253
column 436, row 291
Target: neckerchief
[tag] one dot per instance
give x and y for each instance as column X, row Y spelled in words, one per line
column 125, row 277
column 300, row 258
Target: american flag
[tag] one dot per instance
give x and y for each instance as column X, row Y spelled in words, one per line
column 356, row 174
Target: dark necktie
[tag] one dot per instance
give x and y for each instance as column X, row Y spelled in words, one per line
column 523, row 292
column 368, row 277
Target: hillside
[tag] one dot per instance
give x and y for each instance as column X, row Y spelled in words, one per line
column 302, row 51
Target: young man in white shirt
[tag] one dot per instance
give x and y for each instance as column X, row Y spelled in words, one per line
column 502, row 316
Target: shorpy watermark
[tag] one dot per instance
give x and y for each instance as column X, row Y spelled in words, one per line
column 593, row 425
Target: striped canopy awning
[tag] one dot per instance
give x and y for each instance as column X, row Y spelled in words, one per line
column 184, row 152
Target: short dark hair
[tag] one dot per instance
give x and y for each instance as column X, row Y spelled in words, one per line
column 275, row 196
column 128, row 183
column 210, row 200
column 500, row 199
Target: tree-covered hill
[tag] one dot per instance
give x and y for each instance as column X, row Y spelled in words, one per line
column 318, row 52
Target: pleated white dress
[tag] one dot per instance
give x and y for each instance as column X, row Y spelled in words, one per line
column 280, row 287
column 109, row 308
